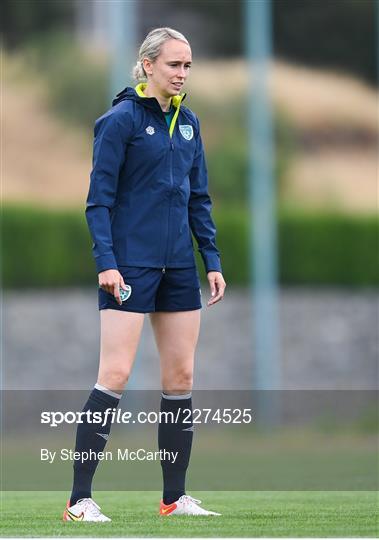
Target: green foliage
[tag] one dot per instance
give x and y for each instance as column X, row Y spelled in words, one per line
column 340, row 34
column 46, row 248
column 21, row 20
column 224, row 130
column 78, row 85
column 313, row 249
column 328, row 249
column 347, row 27
column 232, row 241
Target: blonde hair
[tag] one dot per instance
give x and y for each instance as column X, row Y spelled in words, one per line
column 151, row 48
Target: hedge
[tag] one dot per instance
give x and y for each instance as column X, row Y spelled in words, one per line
column 50, row 248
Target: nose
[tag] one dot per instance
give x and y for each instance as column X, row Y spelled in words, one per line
column 182, row 72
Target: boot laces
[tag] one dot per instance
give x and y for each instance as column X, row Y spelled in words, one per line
column 91, row 507
column 188, row 500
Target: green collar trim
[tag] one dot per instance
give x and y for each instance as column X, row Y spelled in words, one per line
column 175, row 100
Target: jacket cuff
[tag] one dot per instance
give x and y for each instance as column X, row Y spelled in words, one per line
column 212, row 262
column 105, row 262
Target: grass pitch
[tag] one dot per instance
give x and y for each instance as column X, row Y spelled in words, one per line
column 244, row 514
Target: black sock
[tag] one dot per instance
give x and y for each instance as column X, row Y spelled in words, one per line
column 175, row 437
column 91, row 436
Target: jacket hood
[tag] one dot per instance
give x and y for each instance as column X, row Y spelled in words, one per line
column 127, row 93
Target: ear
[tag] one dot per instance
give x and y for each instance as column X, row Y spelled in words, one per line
column 147, row 66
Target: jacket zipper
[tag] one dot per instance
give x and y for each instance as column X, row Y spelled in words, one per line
column 171, row 185
column 169, row 205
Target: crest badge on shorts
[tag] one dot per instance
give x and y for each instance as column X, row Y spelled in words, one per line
column 186, row 131
column 125, row 294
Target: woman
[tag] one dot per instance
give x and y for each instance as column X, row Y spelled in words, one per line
column 148, row 191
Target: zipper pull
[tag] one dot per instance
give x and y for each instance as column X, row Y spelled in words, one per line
column 164, row 270
column 172, row 145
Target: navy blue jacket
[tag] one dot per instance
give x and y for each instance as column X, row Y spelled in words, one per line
column 149, row 187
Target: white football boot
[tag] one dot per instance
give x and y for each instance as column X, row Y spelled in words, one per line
column 185, row 506
column 84, row 510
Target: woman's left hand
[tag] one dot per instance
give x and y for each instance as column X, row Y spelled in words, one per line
column 217, row 286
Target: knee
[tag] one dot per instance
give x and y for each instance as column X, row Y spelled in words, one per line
column 178, row 383
column 114, row 379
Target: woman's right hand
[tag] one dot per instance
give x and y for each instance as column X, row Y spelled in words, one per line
column 111, row 281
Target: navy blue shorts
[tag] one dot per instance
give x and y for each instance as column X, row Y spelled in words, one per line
column 175, row 289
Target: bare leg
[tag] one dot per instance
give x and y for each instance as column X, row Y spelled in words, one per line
column 120, row 335
column 176, row 334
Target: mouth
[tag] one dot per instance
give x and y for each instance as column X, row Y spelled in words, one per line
column 178, row 86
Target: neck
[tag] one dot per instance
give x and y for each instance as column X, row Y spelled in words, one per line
column 163, row 101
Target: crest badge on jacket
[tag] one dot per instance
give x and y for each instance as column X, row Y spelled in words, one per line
column 186, row 131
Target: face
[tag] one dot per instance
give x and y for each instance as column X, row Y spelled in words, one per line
column 170, row 69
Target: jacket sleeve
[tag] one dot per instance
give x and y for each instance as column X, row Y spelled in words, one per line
column 111, row 136
column 199, row 210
